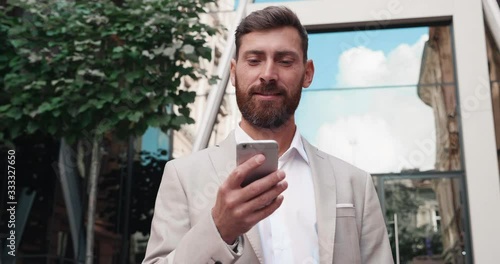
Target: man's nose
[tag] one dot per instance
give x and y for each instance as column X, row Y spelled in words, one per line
column 269, row 73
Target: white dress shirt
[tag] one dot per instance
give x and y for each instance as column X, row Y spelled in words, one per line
column 289, row 235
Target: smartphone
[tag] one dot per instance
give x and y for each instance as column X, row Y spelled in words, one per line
column 246, row 150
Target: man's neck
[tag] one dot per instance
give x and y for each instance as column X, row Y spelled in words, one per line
column 283, row 135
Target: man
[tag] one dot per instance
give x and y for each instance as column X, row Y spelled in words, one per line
column 323, row 211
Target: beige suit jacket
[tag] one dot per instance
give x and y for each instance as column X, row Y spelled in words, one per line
column 183, row 230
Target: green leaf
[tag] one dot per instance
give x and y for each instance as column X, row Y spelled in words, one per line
column 100, row 104
column 167, row 100
column 16, row 61
column 83, row 108
column 118, row 49
column 177, row 121
column 114, row 75
column 14, row 113
column 44, row 107
column 51, row 33
column 17, row 29
column 154, row 121
column 135, row 117
column 96, row 103
column 187, row 97
column 106, row 95
column 86, row 118
column 130, row 77
column 205, row 52
column 184, row 111
column 31, row 128
column 104, row 127
column 3, row 108
column 213, row 80
column 117, row 55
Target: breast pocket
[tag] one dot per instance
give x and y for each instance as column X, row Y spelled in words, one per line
column 346, row 237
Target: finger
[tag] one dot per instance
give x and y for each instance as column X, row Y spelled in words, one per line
column 266, row 211
column 264, row 199
column 261, row 185
column 241, row 171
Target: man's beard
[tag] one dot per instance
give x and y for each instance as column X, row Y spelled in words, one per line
column 268, row 114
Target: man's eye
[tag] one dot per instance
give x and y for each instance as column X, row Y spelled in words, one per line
column 286, row 62
column 253, row 61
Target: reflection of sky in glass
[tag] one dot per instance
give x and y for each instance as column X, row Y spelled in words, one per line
column 154, row 139
column 378, row 129
column 364, row 50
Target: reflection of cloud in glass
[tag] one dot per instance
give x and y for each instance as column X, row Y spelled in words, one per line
column 365, row 141
column 361, row 66
column 387, row 136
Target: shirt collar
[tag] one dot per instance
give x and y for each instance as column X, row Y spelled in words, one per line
column 241, row 136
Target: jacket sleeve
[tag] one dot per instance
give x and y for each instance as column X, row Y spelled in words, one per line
column 374, row 244
column 173, row 239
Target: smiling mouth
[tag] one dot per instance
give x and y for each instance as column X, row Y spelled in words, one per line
column 275, row 93
column 267, row 96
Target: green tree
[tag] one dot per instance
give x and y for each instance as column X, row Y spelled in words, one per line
column 80, row 69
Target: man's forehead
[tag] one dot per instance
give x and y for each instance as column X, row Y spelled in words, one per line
column 289, row 30
column 285, row 39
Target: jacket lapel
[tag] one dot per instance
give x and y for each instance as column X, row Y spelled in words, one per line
column 326, row 200
column 224, row 157
column 224, row 161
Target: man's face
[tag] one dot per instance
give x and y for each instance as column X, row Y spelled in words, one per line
column 269, row 74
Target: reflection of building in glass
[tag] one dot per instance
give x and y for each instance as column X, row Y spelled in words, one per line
column 414, row 203
column 428, row 211
column 437, row 89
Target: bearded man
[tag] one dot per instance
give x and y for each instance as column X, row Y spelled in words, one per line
column 314, row 209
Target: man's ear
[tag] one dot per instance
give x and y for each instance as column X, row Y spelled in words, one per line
column 233, row 72
column 309, row 74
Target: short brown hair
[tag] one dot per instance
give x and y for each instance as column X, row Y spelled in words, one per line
column 270, row 18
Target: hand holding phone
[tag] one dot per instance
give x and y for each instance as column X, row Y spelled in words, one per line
column 237, row 209
column 246, row 150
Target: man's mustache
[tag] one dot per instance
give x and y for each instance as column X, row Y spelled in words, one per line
column 270, row 88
